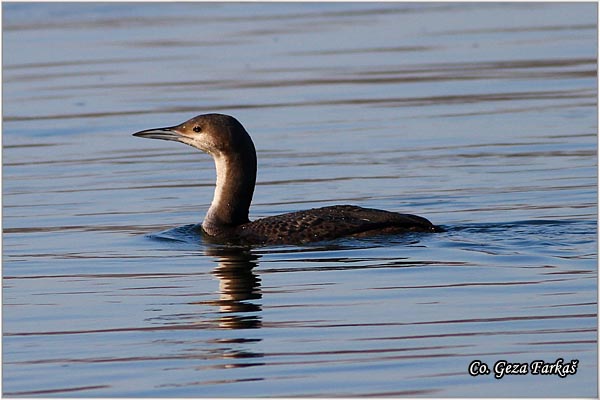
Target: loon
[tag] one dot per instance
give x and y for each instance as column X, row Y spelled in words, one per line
column 232, row 149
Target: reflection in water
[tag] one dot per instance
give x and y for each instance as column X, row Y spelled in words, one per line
column 238, row 286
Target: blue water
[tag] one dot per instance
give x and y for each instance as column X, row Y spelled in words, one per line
column 481, row 117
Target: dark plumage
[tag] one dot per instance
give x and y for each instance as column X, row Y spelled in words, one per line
column 226, row 140
column 328, row 223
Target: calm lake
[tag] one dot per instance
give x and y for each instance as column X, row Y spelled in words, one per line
column 481, row 117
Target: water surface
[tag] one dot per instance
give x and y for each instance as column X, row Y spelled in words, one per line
column 480, row 117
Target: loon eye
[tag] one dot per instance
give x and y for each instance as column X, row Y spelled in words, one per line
column 197, row 128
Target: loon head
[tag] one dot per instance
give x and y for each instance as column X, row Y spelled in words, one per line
column 232, row 150
column 215, row 134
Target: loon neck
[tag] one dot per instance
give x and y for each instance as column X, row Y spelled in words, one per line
column 236, row 177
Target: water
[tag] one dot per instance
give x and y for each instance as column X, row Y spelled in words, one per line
column 480, row 117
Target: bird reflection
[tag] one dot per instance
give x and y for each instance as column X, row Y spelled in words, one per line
column 239, row 287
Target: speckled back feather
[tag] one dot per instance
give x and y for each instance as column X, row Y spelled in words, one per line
column 329, row 223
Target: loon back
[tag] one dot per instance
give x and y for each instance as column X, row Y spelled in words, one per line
column 327, row 223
